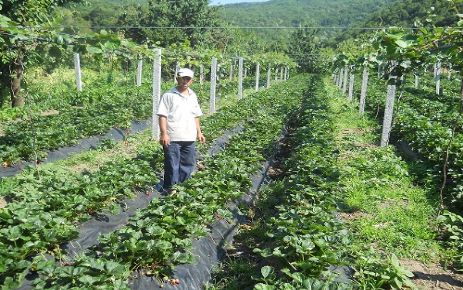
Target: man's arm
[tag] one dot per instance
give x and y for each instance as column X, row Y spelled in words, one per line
column 164, row 138
column 199, row 133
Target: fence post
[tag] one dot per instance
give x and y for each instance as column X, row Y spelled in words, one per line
column 156, row 93
column 351, row 86
column 437, row 77
column 177, row 67
column 139, row 72
column 240, row 78
column 363, row 90
column 231, row 70
column 388, row 111
column 78, row 72
column 213, row 85
column 257, row 76
column 201, row 74
column 269, row 75
column 341, row 77
column 344, row 82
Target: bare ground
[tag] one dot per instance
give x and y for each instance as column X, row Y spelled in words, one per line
column 3, row 202
column 433, row 276
column 122, row 149
column 49, row 113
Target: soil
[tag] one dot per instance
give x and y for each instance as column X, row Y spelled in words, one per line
column 3, row 202
column 126, row 148
column 351, row 216
column 433, row 276
column 49, row 113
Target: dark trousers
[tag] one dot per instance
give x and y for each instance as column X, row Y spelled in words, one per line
column 179, row 162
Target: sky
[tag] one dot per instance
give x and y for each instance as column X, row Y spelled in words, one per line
column 223, row 2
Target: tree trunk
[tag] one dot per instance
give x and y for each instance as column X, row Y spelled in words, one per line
column 16, row 75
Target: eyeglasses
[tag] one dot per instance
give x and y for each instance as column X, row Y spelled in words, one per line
column 185, row 78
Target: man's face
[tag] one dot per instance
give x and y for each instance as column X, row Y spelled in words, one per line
column 184, row 82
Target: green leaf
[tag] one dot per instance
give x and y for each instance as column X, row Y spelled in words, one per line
column 94, row 50
column 401, row 43
column 87, row 280
column 262, row 286
column 265, row 271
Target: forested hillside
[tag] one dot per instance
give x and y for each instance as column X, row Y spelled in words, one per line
column 283, row 13
column 300, row 12
column 406, row 13
column 295, row 13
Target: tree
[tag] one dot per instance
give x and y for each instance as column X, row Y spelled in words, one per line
column 15, row 46
column 304, row 48
column 166, row 22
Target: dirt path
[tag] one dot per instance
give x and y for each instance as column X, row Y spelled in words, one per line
column 433, row 276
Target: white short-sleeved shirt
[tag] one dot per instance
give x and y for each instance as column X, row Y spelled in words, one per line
column 180, row 112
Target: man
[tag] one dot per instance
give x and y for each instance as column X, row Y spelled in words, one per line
column 179, row 124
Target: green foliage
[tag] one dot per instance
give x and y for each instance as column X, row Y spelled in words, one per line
column 452, row 225
column 406, row 13
column 160, row 236
column 294, row 13
column 374, row 273
column 161, row 19
column 304, row 48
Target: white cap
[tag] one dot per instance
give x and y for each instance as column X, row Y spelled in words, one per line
column 185, row 72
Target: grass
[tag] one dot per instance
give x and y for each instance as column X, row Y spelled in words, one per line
column 387, row 211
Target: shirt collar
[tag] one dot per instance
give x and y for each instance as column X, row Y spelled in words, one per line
column 177, row 92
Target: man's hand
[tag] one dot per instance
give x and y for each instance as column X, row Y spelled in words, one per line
column 201, row 137
column 164, row 139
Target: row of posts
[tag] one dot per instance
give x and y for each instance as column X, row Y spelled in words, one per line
column 282, row 74
column 345, row 82
column 345, row 79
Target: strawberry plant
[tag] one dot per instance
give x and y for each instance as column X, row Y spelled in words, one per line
column 159, row 237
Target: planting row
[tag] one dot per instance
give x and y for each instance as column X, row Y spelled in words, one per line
column 159, row 237
column 303, row 238
column 56, row 198
column 431, row 124
column 74, row 116
column 432, row 127
column 296, row 240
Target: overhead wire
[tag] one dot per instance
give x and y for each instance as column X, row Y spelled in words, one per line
column 222, row 27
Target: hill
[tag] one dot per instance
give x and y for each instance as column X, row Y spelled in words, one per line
column 297, row 12
column 405, row 13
